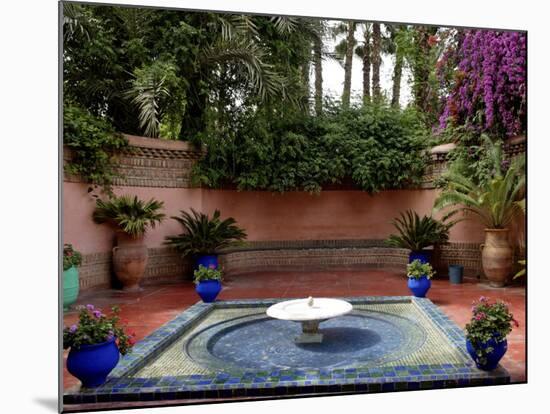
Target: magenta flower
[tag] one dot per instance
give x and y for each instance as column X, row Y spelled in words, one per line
column 73, row 328
column 90, row 307
column 211, row 266
column 480, row 316
column 97, row 314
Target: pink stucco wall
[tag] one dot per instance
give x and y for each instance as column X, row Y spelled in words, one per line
column 88, row 237
column 329, row 215
column 265, row 216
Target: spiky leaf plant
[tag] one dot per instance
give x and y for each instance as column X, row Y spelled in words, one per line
column 416, row 233
column 205, row 235
column 129, row 214
column 497, row 201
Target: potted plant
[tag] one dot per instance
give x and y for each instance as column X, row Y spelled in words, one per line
column 416, row 233
column 486, row 332
column 208, row 281
column 131, row 217
column 203, row 236
column 71, row 260
column 419, row 275
column 496, row 202
column 95, row 343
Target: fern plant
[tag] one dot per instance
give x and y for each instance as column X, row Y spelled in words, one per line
column 497, row 201
column 205, row 235
column 129, row 214
column 416, row 233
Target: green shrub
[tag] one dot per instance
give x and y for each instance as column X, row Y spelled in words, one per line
column 205, row 273
column 92, row 141
column 378, row 147
column 417, row 269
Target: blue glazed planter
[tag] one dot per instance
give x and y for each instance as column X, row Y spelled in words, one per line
column 209, row 261
column 423, row 255
column 419, row 286
column 208, row 290
column 455, row 274
column 92, row 363
column 493, row 357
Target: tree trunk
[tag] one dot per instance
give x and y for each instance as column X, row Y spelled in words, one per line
column 376, row 60
column 350, row 46
column 397, row 72
column 193, row 119
column 366, row 65
column 318, row 62
column 305, row 79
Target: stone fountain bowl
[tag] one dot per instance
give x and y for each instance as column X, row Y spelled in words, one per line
column 309, row 312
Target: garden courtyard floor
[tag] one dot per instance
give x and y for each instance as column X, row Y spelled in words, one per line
column 147, row 310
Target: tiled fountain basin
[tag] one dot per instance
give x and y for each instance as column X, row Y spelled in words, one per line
column 230, row 349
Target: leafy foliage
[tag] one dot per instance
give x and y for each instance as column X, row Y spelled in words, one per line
column 418, row 269
column 416, row 233
column 71, row 257
column 95, row 327
column 129, row 214
column 92, row 142
column 378, row 147
column 205, row 273
column 496, row 201
column 490, row 320
column 204, row 234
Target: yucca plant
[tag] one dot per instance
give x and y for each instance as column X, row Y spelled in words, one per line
column 129, row 214
column 416, row 233
column 497, row 201
column 205, row 235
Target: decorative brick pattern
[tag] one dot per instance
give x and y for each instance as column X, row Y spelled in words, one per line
column 149, row 162
column 164, row 265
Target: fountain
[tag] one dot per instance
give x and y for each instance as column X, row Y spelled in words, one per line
column 310, row 313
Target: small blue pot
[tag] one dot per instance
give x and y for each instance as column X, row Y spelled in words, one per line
column 209, row 261
column 208, row 290
column 455, row 274
column 419, row 286
column 92, row 363
column 493, row 357
column 423, row 255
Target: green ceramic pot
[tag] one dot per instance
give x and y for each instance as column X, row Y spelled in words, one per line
column 70, row 287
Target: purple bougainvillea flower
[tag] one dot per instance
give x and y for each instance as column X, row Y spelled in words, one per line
column 73, row 328
column 97, row 314
column 211, row 266
column 90, row 307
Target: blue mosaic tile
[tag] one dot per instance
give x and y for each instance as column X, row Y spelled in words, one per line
column 121, row 388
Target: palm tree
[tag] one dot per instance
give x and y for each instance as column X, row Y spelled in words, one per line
column 376, row 59
column 496, row 201
column 350, row 41
column 363, row 51
column 318, row 64
column 396, row 40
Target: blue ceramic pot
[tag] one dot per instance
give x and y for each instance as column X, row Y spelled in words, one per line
column 208, row 290
column 92, row 363
column 493, row 357
column 419, row 286
column 423, row 255
column 455, row 274
column 209, row 261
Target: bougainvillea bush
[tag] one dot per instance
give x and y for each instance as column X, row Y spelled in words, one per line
column 489, row 93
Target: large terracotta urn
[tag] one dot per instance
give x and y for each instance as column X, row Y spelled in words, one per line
column 130, row 260
column 496, row 256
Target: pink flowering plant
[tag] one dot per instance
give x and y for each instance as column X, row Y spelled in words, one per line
column 95, row 327
column 490, row 320
column 71, row 257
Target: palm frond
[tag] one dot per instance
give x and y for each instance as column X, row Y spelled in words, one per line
column 129, row 214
